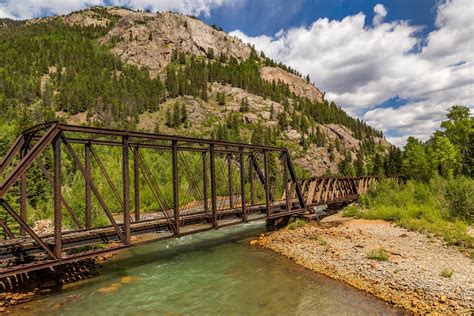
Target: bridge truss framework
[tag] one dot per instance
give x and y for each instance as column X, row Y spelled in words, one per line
column 214, row 184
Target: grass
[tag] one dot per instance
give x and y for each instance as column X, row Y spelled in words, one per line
column 321, row 241
column 378, row 254
column 446, row 273
column 416, row 206
column 471, row 254
column 297, row 223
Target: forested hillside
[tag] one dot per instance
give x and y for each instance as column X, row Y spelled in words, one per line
column 65, row 68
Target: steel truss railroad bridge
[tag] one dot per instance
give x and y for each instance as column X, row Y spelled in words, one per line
column 178, row 186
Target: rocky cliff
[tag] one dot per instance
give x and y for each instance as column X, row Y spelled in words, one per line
column 298, row 115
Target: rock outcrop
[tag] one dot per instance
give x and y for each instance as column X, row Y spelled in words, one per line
column 296, row 84
column 148, row 39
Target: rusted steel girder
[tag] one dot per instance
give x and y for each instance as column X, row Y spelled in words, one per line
column 62, row 137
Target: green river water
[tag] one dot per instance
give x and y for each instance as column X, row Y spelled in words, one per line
column 211, row 273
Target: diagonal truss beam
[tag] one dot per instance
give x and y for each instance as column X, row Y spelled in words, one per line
column 48, row 177
column 81, row 168
column 28, row 159
column 27, row 228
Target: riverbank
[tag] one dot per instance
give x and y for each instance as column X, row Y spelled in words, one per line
column 416, row 272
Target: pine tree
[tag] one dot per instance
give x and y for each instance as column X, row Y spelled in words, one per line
column 359, row 165
column 184, row 114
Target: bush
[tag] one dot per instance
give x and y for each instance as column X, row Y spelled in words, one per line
column 460, row 198
column 378, row 254
column 297, row 223
column 439, row 207
column 446, row 273
column 350, row 211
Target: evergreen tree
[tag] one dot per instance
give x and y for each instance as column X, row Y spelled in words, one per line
column 359, row 165
column 378, row 165
column 184, row 114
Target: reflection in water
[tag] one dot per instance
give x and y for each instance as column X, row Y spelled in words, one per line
column 211, row 273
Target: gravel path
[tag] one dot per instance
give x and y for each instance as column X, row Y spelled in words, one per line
column 411, row 277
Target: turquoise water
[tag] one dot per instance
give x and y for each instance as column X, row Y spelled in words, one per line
column 211, row 273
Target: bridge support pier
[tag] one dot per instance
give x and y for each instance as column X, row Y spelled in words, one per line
column 277, row 223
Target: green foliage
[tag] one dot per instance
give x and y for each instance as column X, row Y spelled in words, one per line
column 459, row 129
column 446, row 273
column 378, row 254
column 448, row 152
column 220, row 98
column 297, row 223
column 416, row 163
column 244, row 105
column 460, row 198
column 445, row 157
column 177, row 115
column 351, row 211
column 81, row 75
column 321, row 241
column 418, row 206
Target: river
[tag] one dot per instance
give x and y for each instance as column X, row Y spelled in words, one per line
column 211, row 273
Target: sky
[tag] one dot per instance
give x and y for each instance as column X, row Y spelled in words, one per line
column 398, row 65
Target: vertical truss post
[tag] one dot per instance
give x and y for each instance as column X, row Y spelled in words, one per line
column 267, row 182
column 23, row 192
column 252, row 188
column 295, row 180
column 136, row 183
column 88, row 214
column 285, row 179
column 57, row 197
column 23, row 201
column 242, row 183
column 204, row 181
column 174, row 156
column 229, row 171
column 126, row 188
column 213, row 184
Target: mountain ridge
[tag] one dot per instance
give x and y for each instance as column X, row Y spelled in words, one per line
column 202, row 82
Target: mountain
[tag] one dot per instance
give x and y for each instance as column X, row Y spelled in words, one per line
column 171, row 73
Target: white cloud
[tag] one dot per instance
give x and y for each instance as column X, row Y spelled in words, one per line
column 26, row 9
column 380, row 13
column 361, row 66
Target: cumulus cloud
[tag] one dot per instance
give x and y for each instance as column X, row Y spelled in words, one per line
column 26, row 9
column 360, row 66
column 380, row 13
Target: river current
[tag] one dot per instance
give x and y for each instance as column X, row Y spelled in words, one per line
column 210, row 273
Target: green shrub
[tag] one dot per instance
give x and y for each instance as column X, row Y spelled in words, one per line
column 378, row 254
column 297, row 223
column 321, row 241
column 350, row 211
column 446, row 273
column 460, row 198
column 423, row 207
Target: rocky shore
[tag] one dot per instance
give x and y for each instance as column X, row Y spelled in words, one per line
column 414, row 271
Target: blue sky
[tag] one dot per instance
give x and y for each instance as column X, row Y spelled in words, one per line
column 399, row 65
column 283, row 14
